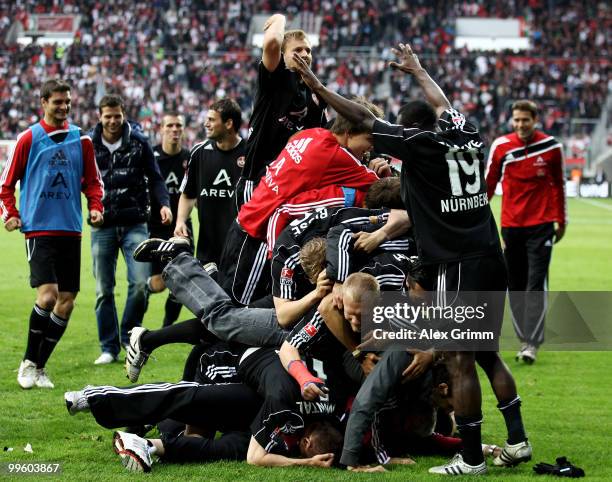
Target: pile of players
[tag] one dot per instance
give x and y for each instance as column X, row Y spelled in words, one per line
column 277, row 366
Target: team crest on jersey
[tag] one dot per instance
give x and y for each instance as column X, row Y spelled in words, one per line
column 286, row 276
column 539, row 161
column 311, row 329
column 240, row 161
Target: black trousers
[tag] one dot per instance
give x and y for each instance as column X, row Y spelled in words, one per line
column 225, row 407
column 244, row 272
column 528, row 253
column 230, row 446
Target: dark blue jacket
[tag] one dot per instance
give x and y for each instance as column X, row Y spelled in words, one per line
column 128, row 175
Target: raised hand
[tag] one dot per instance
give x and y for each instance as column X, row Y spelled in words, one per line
column 407, row 60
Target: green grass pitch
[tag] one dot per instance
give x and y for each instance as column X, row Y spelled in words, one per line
column 566, row 395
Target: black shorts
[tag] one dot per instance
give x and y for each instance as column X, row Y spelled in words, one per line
column 56, row 260
column 244, row 272
column 484, row 273
column 473, row 281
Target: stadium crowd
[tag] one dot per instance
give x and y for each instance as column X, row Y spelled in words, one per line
column 185, row 58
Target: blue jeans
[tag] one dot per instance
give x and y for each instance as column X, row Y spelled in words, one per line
column 194, row 288
column 105, row 246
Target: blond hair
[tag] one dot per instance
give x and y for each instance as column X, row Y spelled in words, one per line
column 293, row 35
column 358, row 285
column 312, row 257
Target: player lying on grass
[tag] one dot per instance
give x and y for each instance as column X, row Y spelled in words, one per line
column 255, row 393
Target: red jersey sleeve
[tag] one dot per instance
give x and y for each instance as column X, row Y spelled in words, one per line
column 558, row 188
column 494, row 165
column 13, row 172
column 91, row 184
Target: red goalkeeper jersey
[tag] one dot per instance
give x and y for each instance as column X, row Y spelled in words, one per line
column 312, row 159
column 532, row 179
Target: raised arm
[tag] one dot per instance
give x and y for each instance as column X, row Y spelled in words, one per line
column 346, row 108
column 408, row 62
column 274, row 31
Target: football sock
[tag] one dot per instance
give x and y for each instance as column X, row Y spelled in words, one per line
column 469, row 429
column 511, row 410
column 53, row 333
column 39, row 319
column 171, row 310
column 189, row 331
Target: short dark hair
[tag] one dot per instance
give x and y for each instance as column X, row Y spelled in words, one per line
column 172, row 113
column 417, row 113
column 384, row 193
column 343, row 126
column 228, row 109
column 325, row 438
column 53, row 85
column 111, row 100
column 526, row 106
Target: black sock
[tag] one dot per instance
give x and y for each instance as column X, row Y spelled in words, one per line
column 189, row 331
column 39, row 319
column 469, row 429
column 511, row 410
column 171, row 310
column 53, row 333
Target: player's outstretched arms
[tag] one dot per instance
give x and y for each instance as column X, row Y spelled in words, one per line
column 408, row 62
column 346, row 108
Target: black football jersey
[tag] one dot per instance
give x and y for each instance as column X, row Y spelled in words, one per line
column 172, row 168
column 443, row 187
column 211, row 179
column 283, row 106
column 388, row 263
column 283, row 414
column 288, row 278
